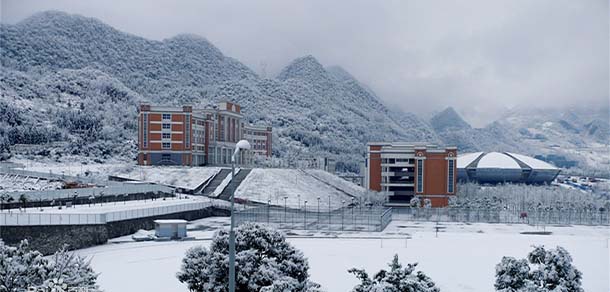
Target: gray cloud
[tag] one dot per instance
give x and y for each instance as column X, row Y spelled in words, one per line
column 481, row 57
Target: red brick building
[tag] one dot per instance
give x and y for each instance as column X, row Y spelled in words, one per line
column 196, row 137
column 406, row 170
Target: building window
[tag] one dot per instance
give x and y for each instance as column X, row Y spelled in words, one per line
column 167, row 126
column 450, row 176
column 167, row 145
column 145, row 130
column 420, row 175
column 167, row 117
column 167, row 135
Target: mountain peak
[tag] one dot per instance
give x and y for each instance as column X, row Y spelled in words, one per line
column 305, row 68
column 58, row 18
column 448, row 119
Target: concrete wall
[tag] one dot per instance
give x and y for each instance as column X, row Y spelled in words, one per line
column 49, row 238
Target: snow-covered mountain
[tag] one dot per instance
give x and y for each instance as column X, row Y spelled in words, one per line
column 576, row 137
column 77, row 76
column 71, row 78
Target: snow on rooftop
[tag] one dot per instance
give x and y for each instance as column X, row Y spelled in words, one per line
column 498, row 160
column 170, row 221
column 532, row 162
column 466, row 159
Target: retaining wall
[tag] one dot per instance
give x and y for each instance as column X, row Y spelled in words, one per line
column 49, row 238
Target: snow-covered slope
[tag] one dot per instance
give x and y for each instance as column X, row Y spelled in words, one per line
column 273, row 184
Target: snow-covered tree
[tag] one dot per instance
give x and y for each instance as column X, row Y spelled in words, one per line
column 265, row 261
column 415, row 202
column 543, row 270
column 397, row 279
column 22, row 268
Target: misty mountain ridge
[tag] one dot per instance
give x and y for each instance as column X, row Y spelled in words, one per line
column 54, row 62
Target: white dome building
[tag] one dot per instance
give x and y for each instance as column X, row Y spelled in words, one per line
column 496, row 167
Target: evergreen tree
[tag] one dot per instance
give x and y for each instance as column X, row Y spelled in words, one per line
column 265, row 261
column 22, row 268
column 397, row 279
column 543, row 270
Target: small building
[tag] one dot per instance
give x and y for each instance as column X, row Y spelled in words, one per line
column 407, row 170
column 170, row 228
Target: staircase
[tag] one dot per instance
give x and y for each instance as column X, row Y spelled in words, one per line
column 235, row 182
column 208, row 190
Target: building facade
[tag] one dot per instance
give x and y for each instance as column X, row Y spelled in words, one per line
column 197, row 137
column 407, row 170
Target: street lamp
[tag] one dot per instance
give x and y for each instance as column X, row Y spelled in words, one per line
column 241, row 145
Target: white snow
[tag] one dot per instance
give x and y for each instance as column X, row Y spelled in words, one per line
column 11, row 183
column 274, row 184
column 461, row 259
column 497, row 160
column 466, row 159
column 183, row 177
column 337, row 182
column 170, row 221
column 533, row 162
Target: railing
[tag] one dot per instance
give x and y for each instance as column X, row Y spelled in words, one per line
column 347, row 219
column 512, row 216
column 40, row 218
column 122, row 189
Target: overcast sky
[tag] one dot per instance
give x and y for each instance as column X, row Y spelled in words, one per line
column 481, row 57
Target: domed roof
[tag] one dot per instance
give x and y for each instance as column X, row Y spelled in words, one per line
column 506, row 167
column 505, row 160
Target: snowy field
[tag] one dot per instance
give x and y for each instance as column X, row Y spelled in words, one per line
column 461, row 258
column 183, row 177
column 72, row 166
column 274, row 184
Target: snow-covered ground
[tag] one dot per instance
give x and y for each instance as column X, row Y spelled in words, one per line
column 274, row 184
column 178, row 176
column 73, row 166
column 461, row 258
column 11, row 183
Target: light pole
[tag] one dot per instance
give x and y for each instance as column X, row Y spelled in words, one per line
column 299, row 205
column 241, row 145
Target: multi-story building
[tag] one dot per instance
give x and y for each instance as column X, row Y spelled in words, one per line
column 187, row 136
column 406, row 170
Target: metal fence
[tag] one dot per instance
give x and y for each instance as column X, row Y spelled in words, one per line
column 122, row 189
column 512, row 216
column 346, row 219
column 88, row 218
